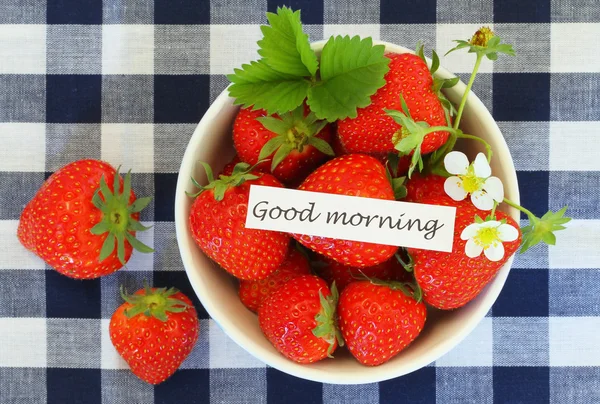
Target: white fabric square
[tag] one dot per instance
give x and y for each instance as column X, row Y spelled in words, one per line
column 224, row 353
column 475, row 350
column 577, row 245
column 574, row 341
column 23, row 146
column 127, row 49
column 362, row 30
column 236, row 45
column 110, row 358
column 459, row 61
column 14, row 255
column 130, row 145
column 566, row 138
column 22, row 49
column 23, row 342
column 574, row 48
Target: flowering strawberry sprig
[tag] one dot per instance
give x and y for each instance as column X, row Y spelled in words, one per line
column 474, row 179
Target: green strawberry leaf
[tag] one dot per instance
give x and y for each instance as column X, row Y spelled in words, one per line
column 270, row 147
column 352, row 70
column 285, row 47
column 259, row 86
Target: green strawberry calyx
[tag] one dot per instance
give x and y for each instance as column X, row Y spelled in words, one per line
column 153, row 302
column 391, row 171
column 117, row 219
column 241, row 173
column 540, row 229
column 294, row 132
column 409, row 138
column 327, row 327
column 410, row 289
column 349, row 72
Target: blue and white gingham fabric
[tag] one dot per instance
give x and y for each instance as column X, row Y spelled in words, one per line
column 127, row 80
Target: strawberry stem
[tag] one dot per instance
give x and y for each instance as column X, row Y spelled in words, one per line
column 463, row 101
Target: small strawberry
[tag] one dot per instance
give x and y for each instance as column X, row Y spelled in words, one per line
column 253, row 293
column 228, row 169
column 355, row 175
column 295, row 144
column 419, row 187
column 379, row 319
column 299, row 319
column 343, row 275
column 79, row 215
column 218, row 225
column 154, row 331
column 373, row 131
column 450, row 280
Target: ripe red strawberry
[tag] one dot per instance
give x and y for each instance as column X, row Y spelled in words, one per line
column 253, row 293
column 373, row 131
column 218, row 225
column 355, row 175
column 343, row 275
column 228, row 169
column 450, row 280
column 378, row 320
column 154, row 331
column 79, row 215
column 419, row 187
column 295, row 145
column 299, row 319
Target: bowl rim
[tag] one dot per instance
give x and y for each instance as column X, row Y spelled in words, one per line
column 374, row 374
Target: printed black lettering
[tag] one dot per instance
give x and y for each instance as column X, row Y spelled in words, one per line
column 262, row 213
column 432, row 227
column 336, row 217
column 275, row 209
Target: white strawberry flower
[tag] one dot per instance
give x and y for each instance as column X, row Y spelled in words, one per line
column 487, row 237
column 475, row 179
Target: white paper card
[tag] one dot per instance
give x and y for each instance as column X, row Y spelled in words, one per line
column 430, row 227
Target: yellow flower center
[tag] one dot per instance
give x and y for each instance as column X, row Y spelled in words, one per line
column 487, row 236
column 470, row 182
column 482, row 36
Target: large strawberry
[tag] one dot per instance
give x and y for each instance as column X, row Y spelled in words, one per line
column 450, row 280
column 218, row 225
column 83, row 219
column 253, row 293
column 374, row 131
column 299, row 319
column 154, row 331
column 355, row 175
column 294, row 144
column 379, row 319
column 343, row 275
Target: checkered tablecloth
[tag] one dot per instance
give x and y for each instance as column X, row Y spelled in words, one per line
column 127, row 80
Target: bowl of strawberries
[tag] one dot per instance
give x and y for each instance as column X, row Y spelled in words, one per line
column 365, row 119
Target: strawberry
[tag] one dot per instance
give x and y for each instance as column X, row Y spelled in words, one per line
column 295, row 144
column 419, row 187
column 379, row 319
column 78, row 216
column 451, row 280
column 343, row 275
column 373, row 131
column 299, row 319
column 356, row 175
column 228, row 169
column 253, row 293
column 218, row 225
column 154, row 331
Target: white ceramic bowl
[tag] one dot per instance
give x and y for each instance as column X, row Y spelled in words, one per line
column 211, row 142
